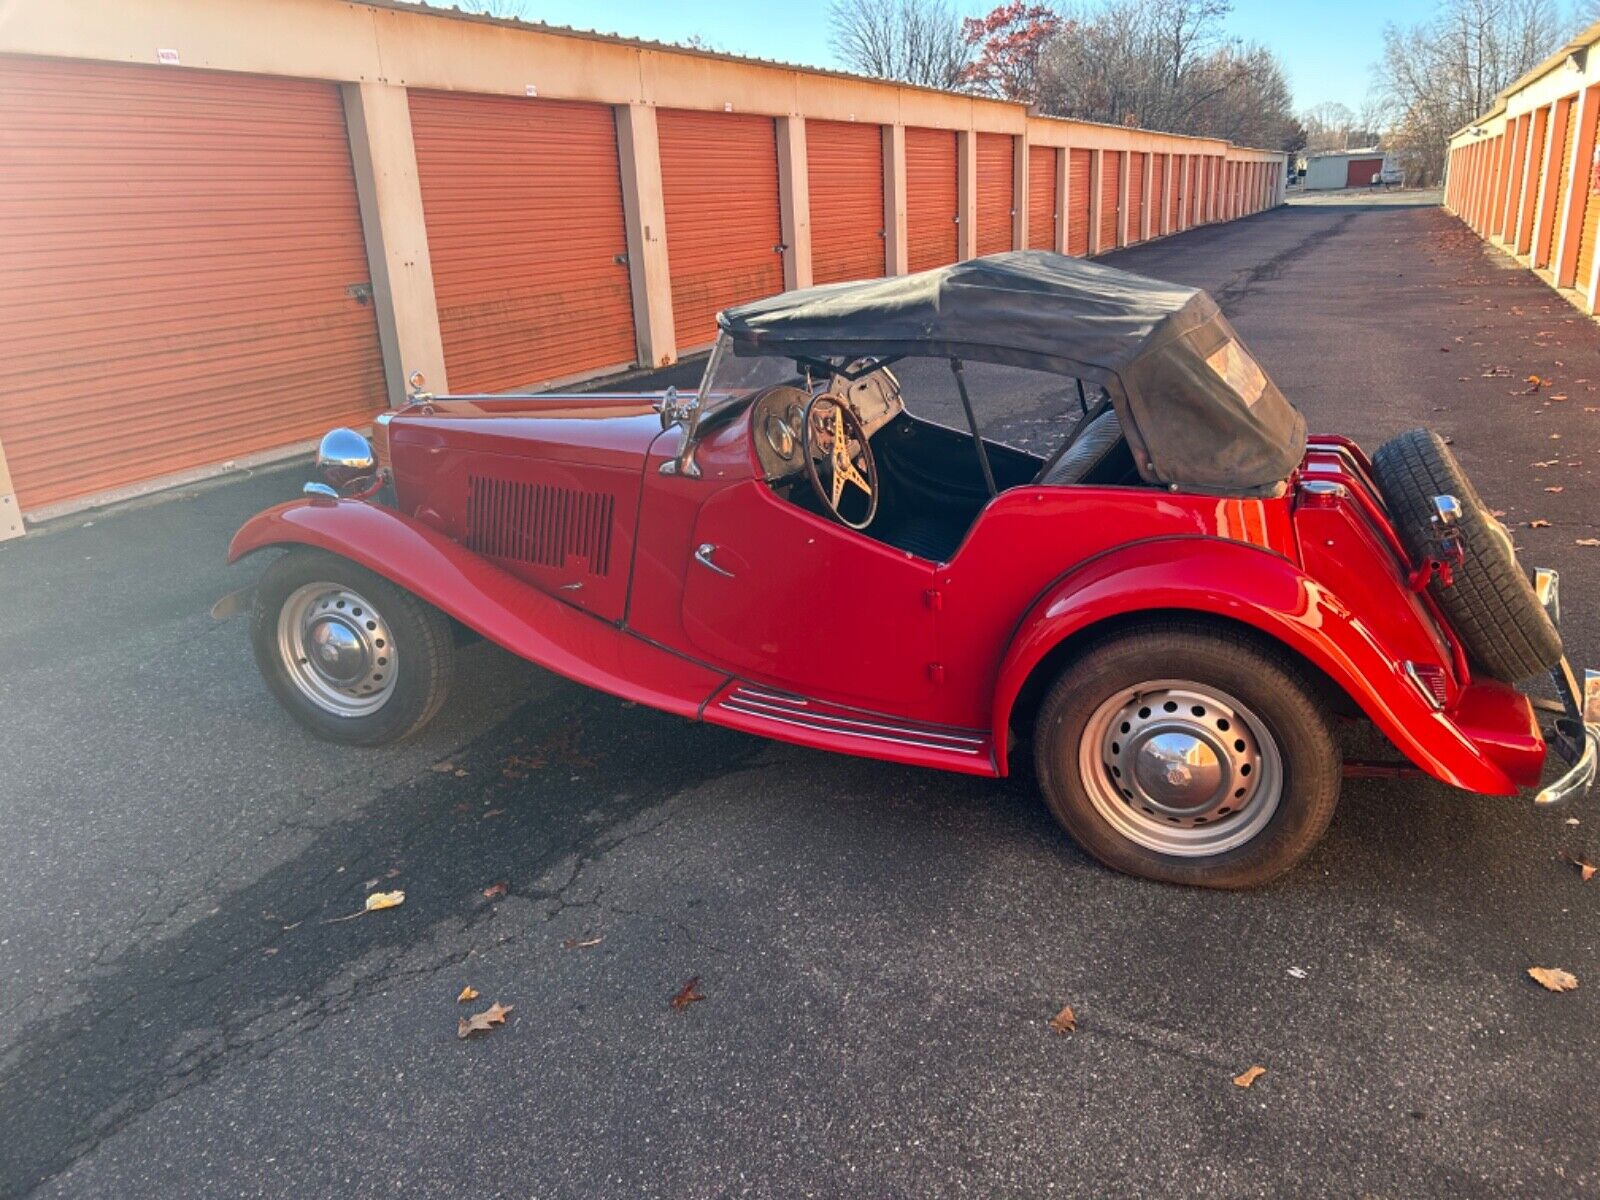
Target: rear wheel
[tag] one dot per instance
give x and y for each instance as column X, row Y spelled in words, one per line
column 1184, row 754
column 353, row 658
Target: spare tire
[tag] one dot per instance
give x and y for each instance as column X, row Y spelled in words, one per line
column 1490, row 602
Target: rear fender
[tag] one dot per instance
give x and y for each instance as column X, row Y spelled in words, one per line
column 1260, row 589
column 521, row 618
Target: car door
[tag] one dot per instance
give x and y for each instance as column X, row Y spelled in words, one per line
column 778, row 595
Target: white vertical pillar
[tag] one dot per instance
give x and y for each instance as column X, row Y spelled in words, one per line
column 794, row 196
column 967, row 191
column 896, row 255
column 378, row 121
column 645, row 213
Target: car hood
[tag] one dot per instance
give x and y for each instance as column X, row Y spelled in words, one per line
column 601, row 430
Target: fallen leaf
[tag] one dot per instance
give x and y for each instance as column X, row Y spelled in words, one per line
column 1064, row 1021
column 494, row 812
column 575, row 944
column 1539, row 524
column 375, row 902
column 1558, row 396
column 1587, row 542
column 382, row 900
column 444, row 768
column 483, row 1022
column 1553, row 978
column 1549, row 462
column 468, row 993
column 1556, row 488
column 495, row 890
column 688, row 994
column 461, row 774
column 1586, row 869
column 1249, row 1077
column 1570, row 821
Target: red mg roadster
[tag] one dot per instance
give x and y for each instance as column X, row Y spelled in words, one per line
column 1169, row 602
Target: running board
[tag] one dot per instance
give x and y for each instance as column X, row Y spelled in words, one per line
column 845, row 730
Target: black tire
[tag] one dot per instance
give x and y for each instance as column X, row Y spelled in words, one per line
column 422, row 643
column 1490, row 602
column 1278, row 697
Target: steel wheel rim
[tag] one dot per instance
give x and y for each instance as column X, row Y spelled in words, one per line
column 1181, row 768
column 337, row 649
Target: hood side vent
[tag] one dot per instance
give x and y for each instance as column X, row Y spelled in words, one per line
column 539, row 523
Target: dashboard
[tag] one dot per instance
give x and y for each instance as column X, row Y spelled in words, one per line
column 776, row 417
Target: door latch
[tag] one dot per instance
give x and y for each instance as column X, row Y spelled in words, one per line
column 702, row 555
column 361, row 293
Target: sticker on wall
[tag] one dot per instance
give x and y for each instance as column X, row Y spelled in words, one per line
column 167, row 58
column 530, row 90
column 727, row 106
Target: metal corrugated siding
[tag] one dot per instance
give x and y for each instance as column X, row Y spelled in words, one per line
column 996, row 192
column 174, row 252
column 1591, row 222
column 932, row 199
column 719, row 179
column 1562, row 176
column 1042, row 197
column 1110, row 193
column 844, row 164
column 1078, row 176
column 1136, row 164
column 523, row 204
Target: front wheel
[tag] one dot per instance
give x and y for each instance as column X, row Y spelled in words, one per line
column 353, row 658
column 1186, row 755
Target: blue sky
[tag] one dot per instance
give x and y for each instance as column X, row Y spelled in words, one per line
column 1329, row 48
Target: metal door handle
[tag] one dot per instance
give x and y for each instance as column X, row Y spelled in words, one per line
column 702, row 555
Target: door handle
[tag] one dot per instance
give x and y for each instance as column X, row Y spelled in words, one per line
column 702, row 555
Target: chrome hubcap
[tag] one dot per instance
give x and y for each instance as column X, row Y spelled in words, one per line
column 337, row 649
column 1180, row 768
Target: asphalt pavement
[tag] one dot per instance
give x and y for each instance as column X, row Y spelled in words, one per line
column 879, row 949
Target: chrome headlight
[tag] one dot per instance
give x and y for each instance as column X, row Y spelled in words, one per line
column 345, row 460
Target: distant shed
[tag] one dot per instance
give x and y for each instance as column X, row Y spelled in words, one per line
column 1343, row 169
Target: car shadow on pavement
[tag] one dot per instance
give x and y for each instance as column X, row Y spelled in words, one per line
column 271, row 960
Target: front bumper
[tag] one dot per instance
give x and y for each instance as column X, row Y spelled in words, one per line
column 1576, row 733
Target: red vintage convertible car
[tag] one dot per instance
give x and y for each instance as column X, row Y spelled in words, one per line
column 1171, row 603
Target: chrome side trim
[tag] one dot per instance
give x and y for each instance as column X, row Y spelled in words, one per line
column 797, row 711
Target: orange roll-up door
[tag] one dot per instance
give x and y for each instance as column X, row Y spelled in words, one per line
column 183, row 278
column 719, row 179
column 1110, row 194
column 1562, row 177
column 996, row 198
column 1135, row 197
column 1042, row 197
column 932, row 202
column 844, row 163
column 1078, row 177
column 1591, row 222
column 523, row 203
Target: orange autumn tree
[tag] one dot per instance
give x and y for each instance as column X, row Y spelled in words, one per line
column 1010, row 40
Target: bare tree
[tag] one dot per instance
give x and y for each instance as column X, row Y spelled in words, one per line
column 1166, row 64
column 1438, row 76
column 521, row 10
column 915, row 41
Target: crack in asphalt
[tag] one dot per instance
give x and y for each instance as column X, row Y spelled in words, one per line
column 1247, row 283
column 166, row 1014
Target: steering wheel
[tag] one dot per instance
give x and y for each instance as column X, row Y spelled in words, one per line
column 835, row 445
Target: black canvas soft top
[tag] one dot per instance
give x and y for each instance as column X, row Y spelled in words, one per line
column 1197, row 411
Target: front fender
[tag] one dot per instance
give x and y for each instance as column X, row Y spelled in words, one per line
column 1263, row 590
column 515, row 615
